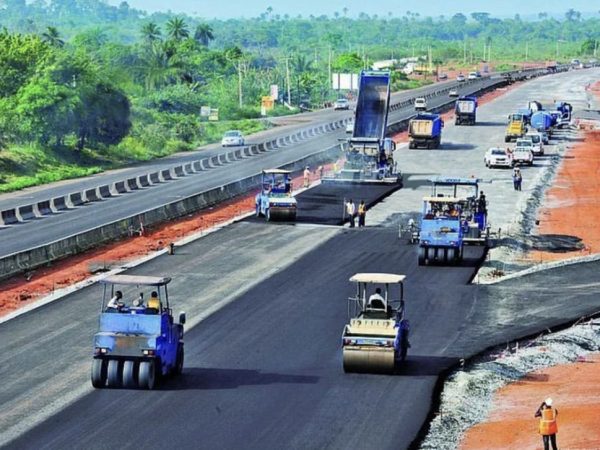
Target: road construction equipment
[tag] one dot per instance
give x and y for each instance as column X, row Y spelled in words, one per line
column 425, row 130
column 136, row 344
column 465, row 111
column 369, row 154
column 452, row 220
column 376, row 339
column 275, row 200
column 516, row 127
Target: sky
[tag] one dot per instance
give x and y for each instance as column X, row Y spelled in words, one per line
column 223, row 9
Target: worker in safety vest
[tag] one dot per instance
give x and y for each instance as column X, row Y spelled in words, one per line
column 306, row 177
column 548, row 425
column 362, row 213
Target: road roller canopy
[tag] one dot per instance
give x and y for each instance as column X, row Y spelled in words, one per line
column 136, row 280
column 136, row 292
column 379, row 278
column 277, row 171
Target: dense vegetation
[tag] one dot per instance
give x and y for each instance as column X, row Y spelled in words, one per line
column 85, row 85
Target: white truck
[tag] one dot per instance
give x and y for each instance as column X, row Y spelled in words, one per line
column 523, row 152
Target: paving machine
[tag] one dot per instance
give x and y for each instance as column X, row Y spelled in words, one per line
column 137, row 341
column 376, row 339
column 275, row 200
column 452, row 220
column 369, row 154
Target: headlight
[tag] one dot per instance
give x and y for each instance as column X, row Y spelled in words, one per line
column 148, row 352
column 101, row 350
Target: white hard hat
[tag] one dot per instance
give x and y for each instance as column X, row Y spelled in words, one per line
column 548, row 401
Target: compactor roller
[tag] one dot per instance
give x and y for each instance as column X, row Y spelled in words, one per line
column 275, row 200
column 376, row 339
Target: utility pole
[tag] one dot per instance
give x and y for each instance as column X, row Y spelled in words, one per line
column 241, row 98
column 287, row 80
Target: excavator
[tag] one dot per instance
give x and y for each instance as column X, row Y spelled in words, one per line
column 369, row 154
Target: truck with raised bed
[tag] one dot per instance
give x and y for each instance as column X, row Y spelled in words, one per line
column 425, row 130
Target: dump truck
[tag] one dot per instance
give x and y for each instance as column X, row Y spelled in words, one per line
column 369, row 153
column 516, row 127
column 452, row 220
column 465, row 111
column 534, row 106
column 137, row 342
column 541, row 121
column 275, row 200
column 377, row 338
column 425, row 130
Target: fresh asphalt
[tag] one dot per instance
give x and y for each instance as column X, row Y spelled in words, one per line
column 33, row 233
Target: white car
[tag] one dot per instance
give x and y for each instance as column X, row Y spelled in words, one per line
column 472, row 76
column 350, row 126
column 537, row 141
column 497, row 157
column 420, row 104
column 545, row 138
column 460, row 77
column 232, row 138
column 523, row 152
column 453, row 93
column 341, row 103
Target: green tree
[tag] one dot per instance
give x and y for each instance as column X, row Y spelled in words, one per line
column 150, row 32
column 159, row 66
column 204, row 34
column 177, row 29
column 52, row 37
column 348, row 62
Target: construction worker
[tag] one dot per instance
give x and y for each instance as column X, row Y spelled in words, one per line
column 362, row 213
column 548, row 425
column 153, row 303
column 320, row 171
column 376, row 300
column 351, row 212
column 115, row 303
column 306, row 176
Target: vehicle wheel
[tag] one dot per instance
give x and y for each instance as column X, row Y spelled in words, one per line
column 257, row 211
column 268, row 214
column 129, row 374
column 179, row 362
column 446, row 256
column 451, row 254
column 456, row 122
column 422, row 256
column 147, row 374
column 403, row 351
column 99, row 371
column 115, row 373
column 506, row 139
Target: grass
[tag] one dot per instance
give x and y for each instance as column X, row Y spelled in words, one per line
column 23, row 166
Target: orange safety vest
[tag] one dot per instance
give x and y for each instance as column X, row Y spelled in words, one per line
column 362, row 209
column 548, row 423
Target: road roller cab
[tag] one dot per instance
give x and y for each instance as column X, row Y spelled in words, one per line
column 376, row 339
column 275, row 200
column 137, row 341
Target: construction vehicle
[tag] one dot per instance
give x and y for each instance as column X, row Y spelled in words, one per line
column 369, row 154
column 465, row 111
column 376, row 339
column 516, row 127
column 526, row 113
column 136, row 344
column 534, row 106
column 425, row 130
column 275, row 200
column 541, row 121
column 565, row 110
column 451, row 221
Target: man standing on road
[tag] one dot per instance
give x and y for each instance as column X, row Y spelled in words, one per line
column 362, row 214
column 548, row 425
column 306, row 177
column 351, row 211
column 517, row 179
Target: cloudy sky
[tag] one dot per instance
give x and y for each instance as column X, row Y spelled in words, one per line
column 252, row 8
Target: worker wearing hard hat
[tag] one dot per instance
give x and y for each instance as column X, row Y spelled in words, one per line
column 548, row 425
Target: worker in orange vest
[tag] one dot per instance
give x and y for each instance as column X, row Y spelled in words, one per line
column 548, row 425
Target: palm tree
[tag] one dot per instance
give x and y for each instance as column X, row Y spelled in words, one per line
column 52, row 37
column 160, row 65
column 177, row 29
column 204, row 34
column 150, row 32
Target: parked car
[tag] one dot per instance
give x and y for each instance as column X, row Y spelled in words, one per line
column 523, row 153
column 442, row 76
column 420, row 104
column 536, row 140
column 232, row 138
column 341, row 103
column 460, row 77
column 472, row 76
column 453, row 93
column 498, row 157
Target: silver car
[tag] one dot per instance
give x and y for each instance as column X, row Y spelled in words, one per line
column 341, row 103
column 232, row 138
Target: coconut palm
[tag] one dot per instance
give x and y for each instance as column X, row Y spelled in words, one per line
column 160, row 66
column 204, row 34
column 52, row 37
column 177, row 29
column 150, row 32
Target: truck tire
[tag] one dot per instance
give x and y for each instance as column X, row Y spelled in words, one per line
column 147, row 374
column 411, row 145
column 268, row 214
column 99, row 371
column 115, row 373
column 452, row 255
column 130, row 374
column 506, row 139
column 179, row 361
column 422, row 254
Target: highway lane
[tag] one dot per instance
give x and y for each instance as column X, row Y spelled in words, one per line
column 265, row 371
column 50, row 228
column 295, row 123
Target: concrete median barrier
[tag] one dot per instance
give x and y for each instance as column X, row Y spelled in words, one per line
column 198, row 166
column 132, row 184
column 179, row 172
column 143, row 181
column 105, row 191
column 76, row 199
column 120, row 187
column 10, row 217
column 166, row 174
column 91, row 195
column 28, row 212
column 59, row 203
column 45, row 208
